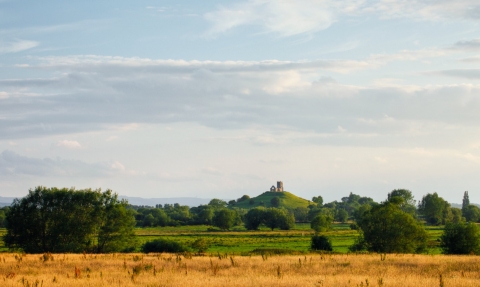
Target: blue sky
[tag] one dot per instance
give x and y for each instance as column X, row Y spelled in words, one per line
column 224, row 98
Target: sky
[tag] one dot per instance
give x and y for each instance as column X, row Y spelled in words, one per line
column 223, row 98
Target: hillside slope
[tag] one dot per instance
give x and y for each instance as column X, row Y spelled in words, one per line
column 287, row 200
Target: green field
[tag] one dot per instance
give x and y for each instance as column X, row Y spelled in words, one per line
column 241, row 241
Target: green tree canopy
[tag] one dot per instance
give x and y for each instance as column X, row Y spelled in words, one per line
column 388, row 229
column 254, row 218
column 275, row 202
column 472, row 213
column 69, row 220
column 460, row 238
column 224, row 218
column 321, row 223
column 217, row 203
column 279, row 218
column 408, row 204
column 318, row 200
column 435, row 209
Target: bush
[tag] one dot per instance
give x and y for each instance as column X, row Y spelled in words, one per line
column 201, row 245
column 321, row 242
column 460, row 238
column 321, row 223
column 164, row 245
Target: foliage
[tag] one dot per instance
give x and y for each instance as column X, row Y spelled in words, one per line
column 217, row 203
column 457, row 215
column 224, row 219
column 279, row 218
column 243, row 198
column 275, row 202
column 341, row 215
column 254, row 218
column 388, row 229
column 321, row 223
column 435, row 209
column 69, row 220
column 408, row 204
column 201, row 245
column 465, row 201
column 163, row 245
column 471, row 213
column 301, row 214
column 321, row 242
column 318, row 200
column 460, row 238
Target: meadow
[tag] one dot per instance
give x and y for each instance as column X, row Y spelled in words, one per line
column 155, row 270
column 242, row 258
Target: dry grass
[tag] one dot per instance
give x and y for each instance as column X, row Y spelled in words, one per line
column 171, row 270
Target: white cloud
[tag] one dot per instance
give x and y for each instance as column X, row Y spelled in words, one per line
column 288, row 18
column 16, row 46
column 285, row 18
column 69, row 144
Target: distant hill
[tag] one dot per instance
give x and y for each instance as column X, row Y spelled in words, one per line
column 287, row 200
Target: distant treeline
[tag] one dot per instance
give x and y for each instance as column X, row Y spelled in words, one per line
column 432, row 209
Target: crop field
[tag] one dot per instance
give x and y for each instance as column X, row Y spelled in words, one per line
column 154, row 270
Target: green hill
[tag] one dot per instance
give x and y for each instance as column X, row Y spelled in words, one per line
column 287, row 200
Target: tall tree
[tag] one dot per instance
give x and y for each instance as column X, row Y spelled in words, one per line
column 388, row 229
column 465, row 201
column 69, row 220
column 435, row 209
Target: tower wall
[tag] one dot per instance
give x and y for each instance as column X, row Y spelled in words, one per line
column 279, row 186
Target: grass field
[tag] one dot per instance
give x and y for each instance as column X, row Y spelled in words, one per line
column 239, row 241
column 155, row 270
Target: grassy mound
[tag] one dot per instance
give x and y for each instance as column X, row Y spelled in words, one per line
column 287, row 200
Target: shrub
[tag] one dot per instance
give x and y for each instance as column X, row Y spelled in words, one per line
column 460, row 238
column 321, row 242
column 164, row 245
column 201, row 245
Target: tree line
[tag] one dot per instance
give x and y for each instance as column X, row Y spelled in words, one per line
column 69, row 220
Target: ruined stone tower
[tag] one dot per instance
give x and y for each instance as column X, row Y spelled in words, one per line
column 279, row 186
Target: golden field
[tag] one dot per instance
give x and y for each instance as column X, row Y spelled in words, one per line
column 288, row 270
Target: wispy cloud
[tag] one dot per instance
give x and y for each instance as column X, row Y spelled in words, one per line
column 16, row 46
column 288, row 18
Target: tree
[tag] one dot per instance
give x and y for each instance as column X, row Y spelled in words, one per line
column 408, row 204
column 457, row 215
column 341, row 216
column 243, row 198
column 217, row 203
column 388, row 229
column 69, row 220
column 465, row 201
column 321, row 223
column 279, row 218
column 435, row 209
column 301, row 214
column 472, row 213
column 318, row 200
column 254, row 218
column 321, row 242
column 224, row 219
column 460, row 238
column 275, row 202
